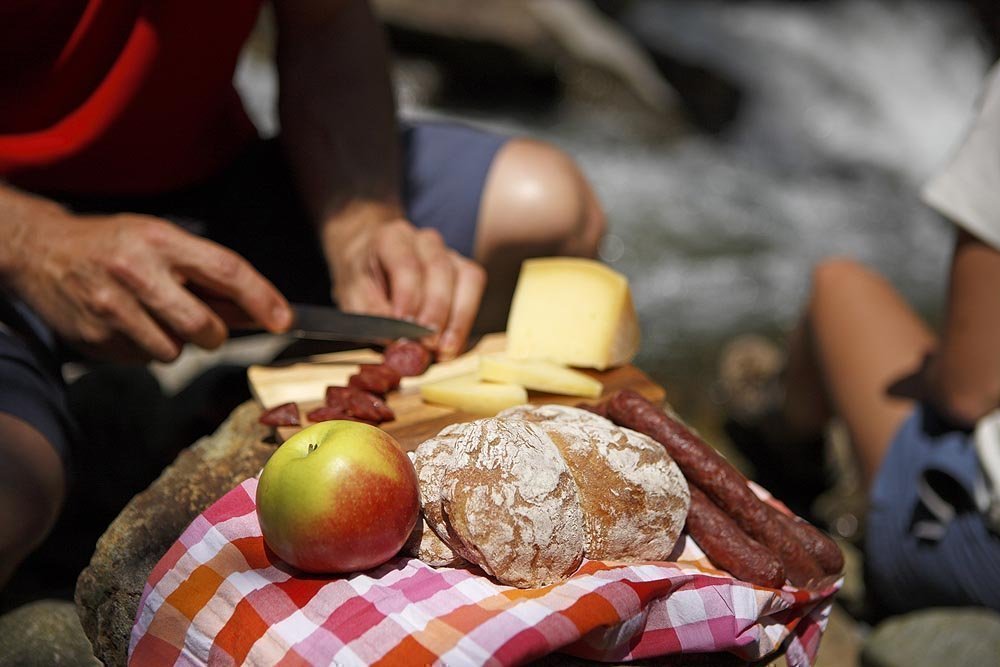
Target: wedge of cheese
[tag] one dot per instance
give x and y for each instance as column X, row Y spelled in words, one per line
column 572, row 311
column 470, row 394
column 538, row 375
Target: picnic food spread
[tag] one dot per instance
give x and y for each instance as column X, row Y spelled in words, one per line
column 529, row 491
column 516, row 489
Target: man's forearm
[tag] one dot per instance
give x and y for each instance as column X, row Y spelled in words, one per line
column 337, row 110
column 19, row 211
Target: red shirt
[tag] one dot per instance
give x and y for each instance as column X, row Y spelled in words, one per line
column 120, row 96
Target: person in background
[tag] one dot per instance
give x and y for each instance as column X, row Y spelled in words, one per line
column 140, row 212
column 922, row 409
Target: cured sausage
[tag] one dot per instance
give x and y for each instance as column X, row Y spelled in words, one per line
column 407, row 357
column 338, row 396
column 369, row 407
column 728, row 546
column 286, row 414
column 327, row 412
column 820, row 546
column 600, row 408
column 377, row 379
column 723, row 483
column 353, row 402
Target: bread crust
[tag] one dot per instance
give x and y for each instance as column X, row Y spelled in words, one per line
column 633, row 496
column 511, row 505
column 431, row 460
column 424, row 544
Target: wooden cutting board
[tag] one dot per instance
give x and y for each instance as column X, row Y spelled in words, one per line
column 305, row 383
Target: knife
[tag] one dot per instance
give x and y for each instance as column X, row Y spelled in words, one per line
column 329, row 323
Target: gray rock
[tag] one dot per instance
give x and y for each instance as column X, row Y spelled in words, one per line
column 591, row 56
column 953, row 637
column 108, row 590
column 44, row 634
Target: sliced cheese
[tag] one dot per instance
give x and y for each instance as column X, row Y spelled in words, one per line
column 469, row 394
column 572, row 311
column 538, row 375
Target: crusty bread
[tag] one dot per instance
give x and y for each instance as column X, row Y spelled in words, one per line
column 633, row 496
column 425, row 545
column 511, row 505
column 431, row 460
column 527, row 494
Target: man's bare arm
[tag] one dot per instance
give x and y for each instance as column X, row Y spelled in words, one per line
column 337, row 108
column 339, row 131
column 125, row 286
column 965, row 374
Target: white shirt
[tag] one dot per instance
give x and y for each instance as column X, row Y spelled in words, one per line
column 967, row 192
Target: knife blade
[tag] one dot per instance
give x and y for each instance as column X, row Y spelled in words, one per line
column 329, row 323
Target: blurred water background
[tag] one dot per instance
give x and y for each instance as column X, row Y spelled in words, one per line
column 830, row 116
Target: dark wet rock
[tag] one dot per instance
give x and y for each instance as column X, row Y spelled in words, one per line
column 953, row 637
column 521, row 53
column 43, row 634
column 108, row 590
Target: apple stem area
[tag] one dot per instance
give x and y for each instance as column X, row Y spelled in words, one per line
column 312, row 447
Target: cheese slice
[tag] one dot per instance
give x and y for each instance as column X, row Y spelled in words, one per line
column 572, row 311
column 469, row 394
column 538, row 375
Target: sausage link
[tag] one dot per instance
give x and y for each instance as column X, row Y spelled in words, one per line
column 816, row 542
column 723, row 483
column 728, row 546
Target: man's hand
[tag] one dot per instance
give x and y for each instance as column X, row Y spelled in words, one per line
column 127, row 286
column 396, row 270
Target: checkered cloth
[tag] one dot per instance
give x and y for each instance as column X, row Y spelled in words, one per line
column 219, row 597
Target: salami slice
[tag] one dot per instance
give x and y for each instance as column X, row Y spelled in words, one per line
column 351, row 402
column 369, row 407
column 407, row 357
column 377, row 379
column 338, row 397
column 328, row 412
column 286, row 414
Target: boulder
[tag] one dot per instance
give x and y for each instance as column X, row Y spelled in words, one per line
column 108, row 589
column 44, row 633
column 947, row 636
column 522, row 52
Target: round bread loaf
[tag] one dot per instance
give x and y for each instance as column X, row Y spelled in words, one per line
column 431, row 460
column 425, row 545
column 511, row 505
column 633, row 496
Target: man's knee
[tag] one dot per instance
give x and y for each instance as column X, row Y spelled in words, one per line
column 536, row 197
column 32, row 488
column 837, row 277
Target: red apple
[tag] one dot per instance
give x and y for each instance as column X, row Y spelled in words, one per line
column 338, row 496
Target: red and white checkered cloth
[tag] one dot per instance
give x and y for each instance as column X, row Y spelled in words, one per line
column 219, row 597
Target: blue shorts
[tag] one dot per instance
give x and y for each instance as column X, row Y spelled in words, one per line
column 253, row 209
column 926, row 543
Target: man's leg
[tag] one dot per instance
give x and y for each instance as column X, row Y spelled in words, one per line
column 499, row 201
column 536, row 203
column 32, row 486
column 34, row 435
column 865, row 338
